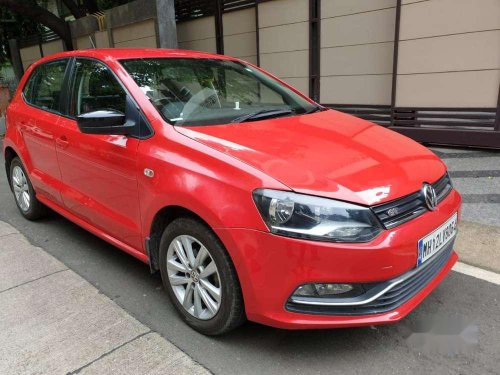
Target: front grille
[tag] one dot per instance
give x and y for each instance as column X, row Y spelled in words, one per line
column 412, row 282
column 401, row 210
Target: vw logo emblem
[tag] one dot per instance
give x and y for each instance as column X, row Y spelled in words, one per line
column 429, row 196
column 195, row 276
column 392, row 211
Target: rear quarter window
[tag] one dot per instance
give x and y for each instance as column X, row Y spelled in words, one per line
column 44, row 87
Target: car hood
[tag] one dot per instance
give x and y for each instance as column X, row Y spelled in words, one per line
column 328, row 154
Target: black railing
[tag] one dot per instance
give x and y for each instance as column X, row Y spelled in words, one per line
column 33, row 40
column 379, row 114
column 465, row 118
column 186, row 10
column 453, row 126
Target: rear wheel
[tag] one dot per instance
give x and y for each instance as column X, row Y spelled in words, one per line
column 24, row 193
column 200, row 277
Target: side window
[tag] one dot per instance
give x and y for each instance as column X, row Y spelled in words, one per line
column 95, row 88
column 44, row 87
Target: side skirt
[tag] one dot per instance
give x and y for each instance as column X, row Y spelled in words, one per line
column 95, row 231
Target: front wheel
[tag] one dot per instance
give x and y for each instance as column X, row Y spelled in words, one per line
column 24, row 194
column 200, row 278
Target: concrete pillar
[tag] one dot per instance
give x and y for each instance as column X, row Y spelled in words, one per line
column 165, row 18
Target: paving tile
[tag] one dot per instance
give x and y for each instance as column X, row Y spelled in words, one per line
column 483, row 213
column 58, row 324
column 52, row 321
column 483, row 185
column 6, row 229
column 473, row 164
column 149, row 354
column 21, row 262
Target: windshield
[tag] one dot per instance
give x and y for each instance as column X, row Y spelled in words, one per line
column 189, row 91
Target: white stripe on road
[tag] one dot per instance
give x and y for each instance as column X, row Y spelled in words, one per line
column 477, row 272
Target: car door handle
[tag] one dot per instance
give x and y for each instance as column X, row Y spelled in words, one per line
column 62, row 142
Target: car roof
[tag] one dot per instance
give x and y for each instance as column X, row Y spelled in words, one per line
column 134, row 53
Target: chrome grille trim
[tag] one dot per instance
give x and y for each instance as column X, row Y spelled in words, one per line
column 410, row 206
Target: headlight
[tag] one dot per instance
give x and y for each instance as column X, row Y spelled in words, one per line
column 304, row 216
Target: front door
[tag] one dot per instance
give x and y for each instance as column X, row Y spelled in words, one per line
column 99, row 171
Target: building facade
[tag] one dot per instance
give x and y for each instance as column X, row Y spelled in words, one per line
column 428, row 69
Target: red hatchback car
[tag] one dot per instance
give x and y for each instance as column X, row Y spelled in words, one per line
column 250, row 199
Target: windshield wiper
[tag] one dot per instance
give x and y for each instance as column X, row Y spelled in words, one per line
column 263, row 114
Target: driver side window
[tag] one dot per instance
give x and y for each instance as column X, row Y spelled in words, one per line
column 95, row 88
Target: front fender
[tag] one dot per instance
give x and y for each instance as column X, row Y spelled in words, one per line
column 215, row 186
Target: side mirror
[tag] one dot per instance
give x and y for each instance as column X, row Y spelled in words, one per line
column 104, row 122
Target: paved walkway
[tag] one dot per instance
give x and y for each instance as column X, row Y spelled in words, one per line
column 476, row 175
column 52, row 321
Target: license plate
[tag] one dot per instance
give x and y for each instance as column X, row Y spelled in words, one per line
column 436, row 240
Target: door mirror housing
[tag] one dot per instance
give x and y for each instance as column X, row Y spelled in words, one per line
column 105, row 122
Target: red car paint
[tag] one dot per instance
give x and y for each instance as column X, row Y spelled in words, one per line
column 97, row 181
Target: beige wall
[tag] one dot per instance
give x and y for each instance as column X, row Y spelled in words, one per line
column 29, row 55
column 454, row 61
column 357, row 44
column 198, row 34
column 52, row 47
column 240, row 37
column 101, row 39
column 284, row 40
column 449, row 50
column 141, row 34
column 82, row 42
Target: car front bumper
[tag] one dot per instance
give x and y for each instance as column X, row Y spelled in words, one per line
column 271, row 267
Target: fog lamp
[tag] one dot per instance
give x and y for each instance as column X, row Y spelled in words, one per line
column 329, row 289
column 325, row 290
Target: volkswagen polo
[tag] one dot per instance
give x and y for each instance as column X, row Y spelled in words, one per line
column 251, row 200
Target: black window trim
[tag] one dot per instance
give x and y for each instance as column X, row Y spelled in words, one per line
column 70, row 92
column 63, row 85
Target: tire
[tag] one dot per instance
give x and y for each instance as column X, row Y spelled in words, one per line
column 206, row 319
column 27, row 203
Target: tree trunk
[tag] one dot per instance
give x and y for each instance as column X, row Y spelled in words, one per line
column 91, row 6
column 75, row 10
column 43, row 16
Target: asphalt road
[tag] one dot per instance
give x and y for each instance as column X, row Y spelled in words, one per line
column 456, row 330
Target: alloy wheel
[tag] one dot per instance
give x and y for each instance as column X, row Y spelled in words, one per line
column 21, row 188
column 194, row 277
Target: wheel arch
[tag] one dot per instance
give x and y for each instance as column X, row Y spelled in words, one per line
column 9, row 155
column 161, row 220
